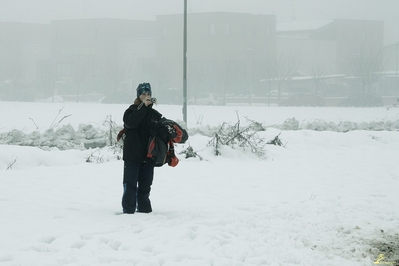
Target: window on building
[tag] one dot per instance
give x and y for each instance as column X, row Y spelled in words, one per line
column 244, row 31
column 164, row 31
column 212, row 30
column 64, row 70
column 227, row 30
column 254, row 31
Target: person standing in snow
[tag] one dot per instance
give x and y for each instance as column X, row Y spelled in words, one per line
column 140, row 122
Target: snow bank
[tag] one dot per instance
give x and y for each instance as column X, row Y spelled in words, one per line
column 327, row 198
column 89, row 125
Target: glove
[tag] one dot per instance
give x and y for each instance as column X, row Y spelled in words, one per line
column 120, row 134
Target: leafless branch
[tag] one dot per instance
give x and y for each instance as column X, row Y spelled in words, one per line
column 56, row 116
column 59, row 122
column 9, row 167
column 34, row 122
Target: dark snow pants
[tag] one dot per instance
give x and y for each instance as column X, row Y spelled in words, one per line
column 137, row 181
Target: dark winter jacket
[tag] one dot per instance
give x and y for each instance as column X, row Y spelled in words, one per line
column 140, row 124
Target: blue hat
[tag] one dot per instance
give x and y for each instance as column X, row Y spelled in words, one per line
column 142, row 88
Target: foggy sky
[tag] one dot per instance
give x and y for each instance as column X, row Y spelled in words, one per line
column 43, row 11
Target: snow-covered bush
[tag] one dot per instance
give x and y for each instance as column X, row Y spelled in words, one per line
column 290, row 124
column 344, row 126
column 63, row 138
column 235, row 136
column 87, row 136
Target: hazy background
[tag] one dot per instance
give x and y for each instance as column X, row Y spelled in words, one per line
column 74, row 48
column 43, row 11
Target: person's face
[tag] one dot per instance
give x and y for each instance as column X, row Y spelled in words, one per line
column 145, row 96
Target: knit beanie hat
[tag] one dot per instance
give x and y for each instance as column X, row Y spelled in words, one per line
column 142, row 88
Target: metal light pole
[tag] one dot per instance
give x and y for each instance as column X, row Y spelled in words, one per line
column 396, row 76
column 185, row 64
column 249, row 50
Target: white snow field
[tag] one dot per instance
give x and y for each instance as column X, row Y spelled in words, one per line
column 326, row 198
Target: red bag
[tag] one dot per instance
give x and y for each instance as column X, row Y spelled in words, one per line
column 178, row 134
column 157, row 151
column 171, row 157
column 160, row 153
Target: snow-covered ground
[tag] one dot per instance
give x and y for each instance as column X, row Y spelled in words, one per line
column 327, row 198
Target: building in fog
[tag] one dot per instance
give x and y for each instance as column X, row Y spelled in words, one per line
column 390, row 79
column 227, row 52
column 23, row 46
column 74, row 57
column 101, row 55
column 330, row 48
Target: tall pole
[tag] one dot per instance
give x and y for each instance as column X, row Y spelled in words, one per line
column 185, row 64
column 396, row 78
column 250, row 74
